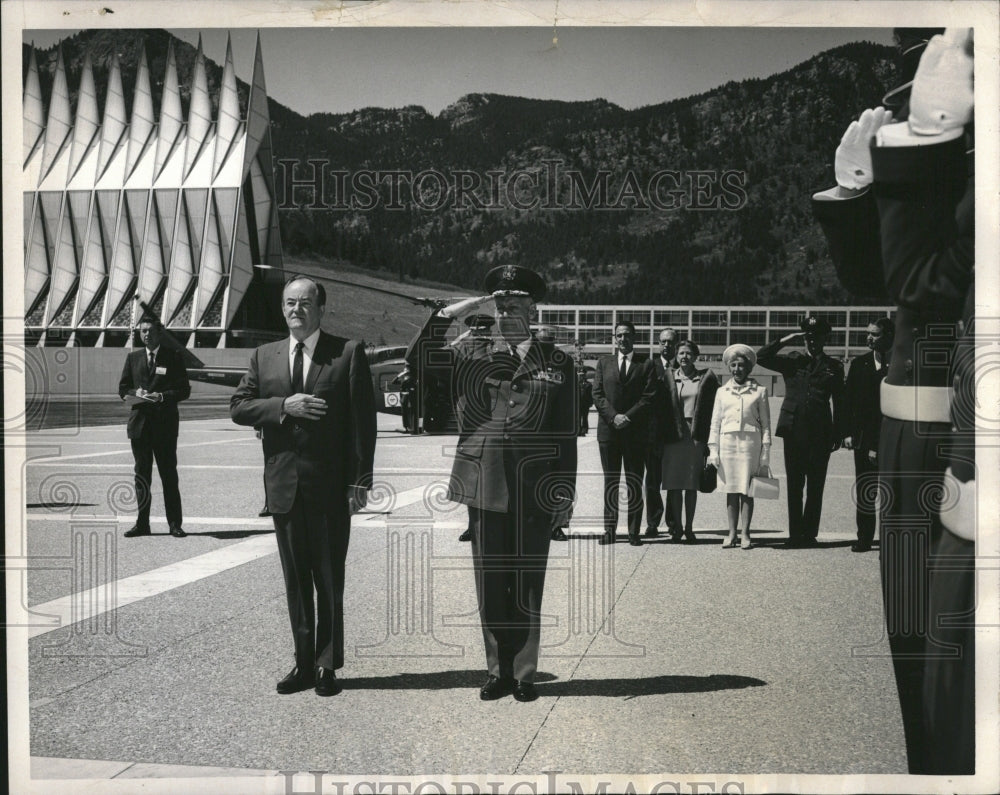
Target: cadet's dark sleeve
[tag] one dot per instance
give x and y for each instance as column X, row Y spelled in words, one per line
column 850, row 223
column 925, row 202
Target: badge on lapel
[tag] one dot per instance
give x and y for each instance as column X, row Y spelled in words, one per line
column 551, row 375
column 160, row 370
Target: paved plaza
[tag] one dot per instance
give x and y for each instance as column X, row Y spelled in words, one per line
column 156, row 657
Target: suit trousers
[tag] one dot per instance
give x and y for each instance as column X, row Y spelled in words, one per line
column 312, row 544
column 807, row 456
column 509, row 553
column 865, row 489
column 654, row 478
column 155, row 443
column 614, row 455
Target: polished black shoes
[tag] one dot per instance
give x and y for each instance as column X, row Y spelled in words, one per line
column 296, row 681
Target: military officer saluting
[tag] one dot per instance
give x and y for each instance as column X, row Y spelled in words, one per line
column 810, row 432
column 515, row 465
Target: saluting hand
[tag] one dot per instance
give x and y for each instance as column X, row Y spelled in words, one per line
column 303, row 406
column 465, row 306
column 853, row 160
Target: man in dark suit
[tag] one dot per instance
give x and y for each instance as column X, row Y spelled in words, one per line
column 154, row 376
column 662, row 416
column 624, row 391
column 515, row 466
column 810, row 432
column 312, row 397
column 863, row 423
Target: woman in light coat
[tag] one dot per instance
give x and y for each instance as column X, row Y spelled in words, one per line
column 739, row 442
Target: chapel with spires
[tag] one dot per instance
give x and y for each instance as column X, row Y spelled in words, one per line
column 140, row 203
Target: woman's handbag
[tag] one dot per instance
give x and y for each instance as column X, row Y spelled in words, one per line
column 764, row 487
column 708, row 480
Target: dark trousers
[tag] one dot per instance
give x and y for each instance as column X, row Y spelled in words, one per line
column 312, row 544
column 911, row 473
column 154, row 443
column 654, row 478
column 509, row 554
column 806, row 461
column 950, row 674
column 865, row 490
column 615, row 456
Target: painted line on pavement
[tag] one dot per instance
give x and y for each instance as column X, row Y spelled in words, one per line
column 128, row 450
column 92, row 603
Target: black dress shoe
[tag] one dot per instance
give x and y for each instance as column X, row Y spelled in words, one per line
column 652, row 532
column 137, row 530
column 327, row 683
column 689, row 537
column 525, row 691
column 297, row 680
column 607, row 538
column 466, row 536
column 860, row 546
column 496, row 687
column 793, row 543
column 176, row 531
column 559, row 535
column 634, row 540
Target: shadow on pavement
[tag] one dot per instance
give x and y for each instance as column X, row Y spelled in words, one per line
column 613, row 688
column 224, row 534
column 649, row 686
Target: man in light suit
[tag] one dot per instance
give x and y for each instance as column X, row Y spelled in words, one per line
column 624, row 391
column 863, row 424
column 155, row 375
column 515, row 465
column 312, row 397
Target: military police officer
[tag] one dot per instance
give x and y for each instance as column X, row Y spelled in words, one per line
column 810, row 432
column 515, row 465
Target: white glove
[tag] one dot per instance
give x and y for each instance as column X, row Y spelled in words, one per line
column 853, row 160
column 765, row 457
column 941, row 98
column 713, row 459
column 960, row 514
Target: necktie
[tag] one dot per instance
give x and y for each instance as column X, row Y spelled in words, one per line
column 297, row 383
column 152, row 365
column 623, row 370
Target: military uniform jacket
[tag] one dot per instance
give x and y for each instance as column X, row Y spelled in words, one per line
column 810, row 384
column 916, row 227
column 324, row 455
column 169, row 379
column 519, row 421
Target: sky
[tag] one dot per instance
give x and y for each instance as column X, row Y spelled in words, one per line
column 340, row 70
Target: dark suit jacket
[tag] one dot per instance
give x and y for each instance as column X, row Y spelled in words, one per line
column 172, row 384
column 634, row 399
column 863, row 417
column 325, row 455
column 519, row 421
column 810, row 384
column 666, row 417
